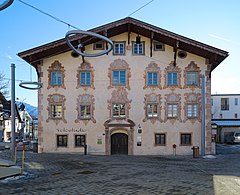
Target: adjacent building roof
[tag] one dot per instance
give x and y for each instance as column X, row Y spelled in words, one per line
column 227, row 123
column 214, row 55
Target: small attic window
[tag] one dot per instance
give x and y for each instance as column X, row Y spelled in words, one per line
column 98, row 45
column 182, row 54
column 158, row 46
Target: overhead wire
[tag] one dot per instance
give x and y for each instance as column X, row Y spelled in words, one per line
column 140, row 8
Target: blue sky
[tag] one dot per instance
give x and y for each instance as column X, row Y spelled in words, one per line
column 213, row 22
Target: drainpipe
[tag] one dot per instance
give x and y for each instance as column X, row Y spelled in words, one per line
column 203, row 128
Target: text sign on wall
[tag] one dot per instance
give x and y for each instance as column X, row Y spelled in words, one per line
column 71, row 130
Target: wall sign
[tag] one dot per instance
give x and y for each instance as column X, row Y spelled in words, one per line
column 71, row 130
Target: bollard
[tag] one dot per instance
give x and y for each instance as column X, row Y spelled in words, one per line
column 23, row 148
column 85, row 149
column 195, row 151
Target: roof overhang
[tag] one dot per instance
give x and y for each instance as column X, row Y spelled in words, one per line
column 214, row 55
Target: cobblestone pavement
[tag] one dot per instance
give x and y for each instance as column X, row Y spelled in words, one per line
column 90, row 174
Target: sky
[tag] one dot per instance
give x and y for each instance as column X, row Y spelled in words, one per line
column 213, row 22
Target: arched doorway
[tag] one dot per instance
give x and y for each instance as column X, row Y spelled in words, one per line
column 119, row 143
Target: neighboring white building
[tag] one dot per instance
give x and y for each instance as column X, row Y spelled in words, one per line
column 226, row 115
column 22, row 127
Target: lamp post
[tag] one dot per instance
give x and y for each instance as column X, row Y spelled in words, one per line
column 13, row 109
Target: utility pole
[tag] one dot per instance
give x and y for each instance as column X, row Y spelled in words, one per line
column 13, row 108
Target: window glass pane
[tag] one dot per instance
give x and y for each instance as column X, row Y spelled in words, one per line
column 160, row 139
column 62, row 140
column 155, row 78
column 115, row 77
column 150, row 78
column 174, row 78
column 56, row 111
column 82, row 78
column 80, row 140
column 59, row 78
column 53, row 78
column 88, row 78
column 122, row 77
column 192, row 78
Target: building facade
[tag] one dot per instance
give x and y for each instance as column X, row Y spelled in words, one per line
column 144, row 97
column 226, row 116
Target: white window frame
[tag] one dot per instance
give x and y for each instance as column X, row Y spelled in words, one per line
column 192, row 78
column 56, row 111
column 172, row 110
column 118, row 107
column 151, row 110
column 120, row 45
column 83, row 112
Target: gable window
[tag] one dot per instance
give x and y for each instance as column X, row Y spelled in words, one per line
column 158, row 46
column 192, row 78
column 160, row 139
column 85, row 78
column 62, row 140
column 172, row 78
column 172, row 110
column 152, row 110
column 224, row 104
column 56, row 111
column 192, row 110
column 85, row 111
column 138, row 48
column 80, row 140
column 98, row 46
column 56, row 78
column 119, row 77
column 118, row 48
column 186, row 139
column 152, row 78
column 119, row 110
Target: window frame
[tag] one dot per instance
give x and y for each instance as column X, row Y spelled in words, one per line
column 64, row 142
column 184, row 140
column 152, row 79
column 224, row 104
column 95, row 45
column 123, row 43
column 85, row 79
column 118, row 83
column 171, row 114
column 152, row 110
column 83, row 117
column 52, row 112
column 193, row 82
column 57, row 77
column 158, row 141
column 192, row 113
column 82, row 142
column 159, row 43
column 172, row 79
column 119, row 110
column 138, row 48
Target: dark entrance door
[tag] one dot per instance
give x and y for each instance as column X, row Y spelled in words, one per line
column 119, row 143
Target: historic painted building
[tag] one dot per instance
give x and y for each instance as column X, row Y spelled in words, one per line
column 141, row 99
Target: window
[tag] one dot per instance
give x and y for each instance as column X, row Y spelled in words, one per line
column 192, row 78
column 56, row 78
column 56, row 111
column 62, row 140
column 119, row 77
column 160, row 139
column 56, row 75
column 98, row 46
column 235, row 115
column 85, row 78
column 211, row 101
column 85, row 111
column 172, row 110
column 152, row 110
column 192, row 110
column 118, row 48
column 80, row 140
column 224, row 104
column 138, row 49
column 236, row 101
column 158, row 46
column 172, row 78
column 119, row 110
column 186, row 139
column 152, row 78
